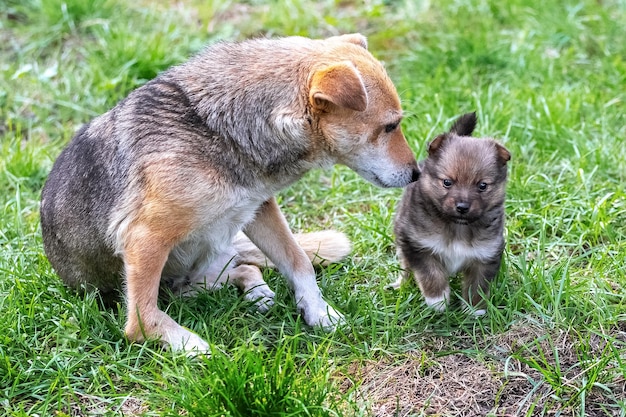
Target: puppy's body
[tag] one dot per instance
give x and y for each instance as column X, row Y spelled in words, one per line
column 157, row 188
column 452, row 219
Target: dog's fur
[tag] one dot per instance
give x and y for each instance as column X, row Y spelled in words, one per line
column 157, row 188
column 452, row 219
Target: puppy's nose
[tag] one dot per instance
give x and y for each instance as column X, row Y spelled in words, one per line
column 462, row 207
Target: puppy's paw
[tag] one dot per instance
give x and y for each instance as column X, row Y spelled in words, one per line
column 474, row 311
column 396, row 284
column 262, row 296
column 438, row 303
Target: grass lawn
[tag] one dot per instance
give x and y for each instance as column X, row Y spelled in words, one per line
column 547, row 78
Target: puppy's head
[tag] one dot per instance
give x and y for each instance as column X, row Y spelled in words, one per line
column 464, row 176
column 356, row 110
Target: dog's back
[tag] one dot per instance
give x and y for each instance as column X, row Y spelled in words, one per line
column 75, row 211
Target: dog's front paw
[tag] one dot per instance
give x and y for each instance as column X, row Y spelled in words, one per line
column 438, row 303
column 396, row 284
column 322, row 315
column 262, row 297
column 187, row 341
column 475, row 311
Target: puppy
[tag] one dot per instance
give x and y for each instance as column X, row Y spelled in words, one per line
column 158, row 188
column 452, row 219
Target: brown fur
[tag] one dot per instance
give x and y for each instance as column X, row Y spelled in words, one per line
column 452, row 219
column 155, row 190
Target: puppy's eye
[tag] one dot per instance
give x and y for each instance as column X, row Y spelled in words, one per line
column 447, row 183
column 482, row 186
column 390, row 127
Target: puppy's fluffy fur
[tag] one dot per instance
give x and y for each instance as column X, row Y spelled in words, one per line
column 452, row 219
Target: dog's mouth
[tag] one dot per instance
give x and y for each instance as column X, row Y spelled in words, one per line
column 377, row 181
column 400, row 181
column 374, row 179
column 463, row 220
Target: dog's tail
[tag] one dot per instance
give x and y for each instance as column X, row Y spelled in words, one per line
column 322, row 248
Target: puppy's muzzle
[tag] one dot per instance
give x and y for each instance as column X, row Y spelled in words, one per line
column 462, row 207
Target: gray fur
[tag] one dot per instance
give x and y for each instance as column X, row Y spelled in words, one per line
column 175, row 170
column 446, row 224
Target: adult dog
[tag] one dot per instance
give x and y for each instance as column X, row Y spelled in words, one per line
column 157, row 189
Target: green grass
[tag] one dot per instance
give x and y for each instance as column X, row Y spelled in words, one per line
column 546, row 78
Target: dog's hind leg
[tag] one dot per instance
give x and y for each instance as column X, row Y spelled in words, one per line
column 249, row 279
column 145, row 254
column 226, row 269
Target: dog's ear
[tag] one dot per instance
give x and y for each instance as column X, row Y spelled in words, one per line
column 504, row 155
column 464, row 125
column 355, row 38
column 339, row 84
column 436, row 144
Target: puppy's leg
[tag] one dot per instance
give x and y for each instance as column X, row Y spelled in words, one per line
column 432, row 278
column 145, row 254
column 435, row 289
column 270, row 232
column 476, row 280
column 403, row 276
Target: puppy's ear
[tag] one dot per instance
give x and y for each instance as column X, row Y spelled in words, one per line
column 355, row 38
column 464, row 125
column 435, row 146
column 504, row 155
column 339, row 84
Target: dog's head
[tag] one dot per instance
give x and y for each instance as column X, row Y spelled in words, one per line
column 464, row 176
column 356, row 109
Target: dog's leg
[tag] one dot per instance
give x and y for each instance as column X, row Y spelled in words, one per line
column 249, row 279
column 223, row 269
column 432, row 278
column 404, row 274
column 476, row 280
column 145, row 255
column 270, row 232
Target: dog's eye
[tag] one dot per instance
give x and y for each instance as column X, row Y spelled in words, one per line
column 482, row 186
column 447, row 183
column 390, row 127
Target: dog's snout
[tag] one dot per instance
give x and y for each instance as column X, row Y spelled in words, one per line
column 462, row 207
column 415, row 174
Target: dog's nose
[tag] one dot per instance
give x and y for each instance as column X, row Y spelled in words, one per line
column 415, row 175
column 462, row 207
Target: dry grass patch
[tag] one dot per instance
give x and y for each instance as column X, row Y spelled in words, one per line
column 450, row 384
column 524, row 371
column 91, row 405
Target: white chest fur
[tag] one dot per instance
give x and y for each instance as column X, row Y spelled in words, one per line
column 455, row 254
column 212, row 238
